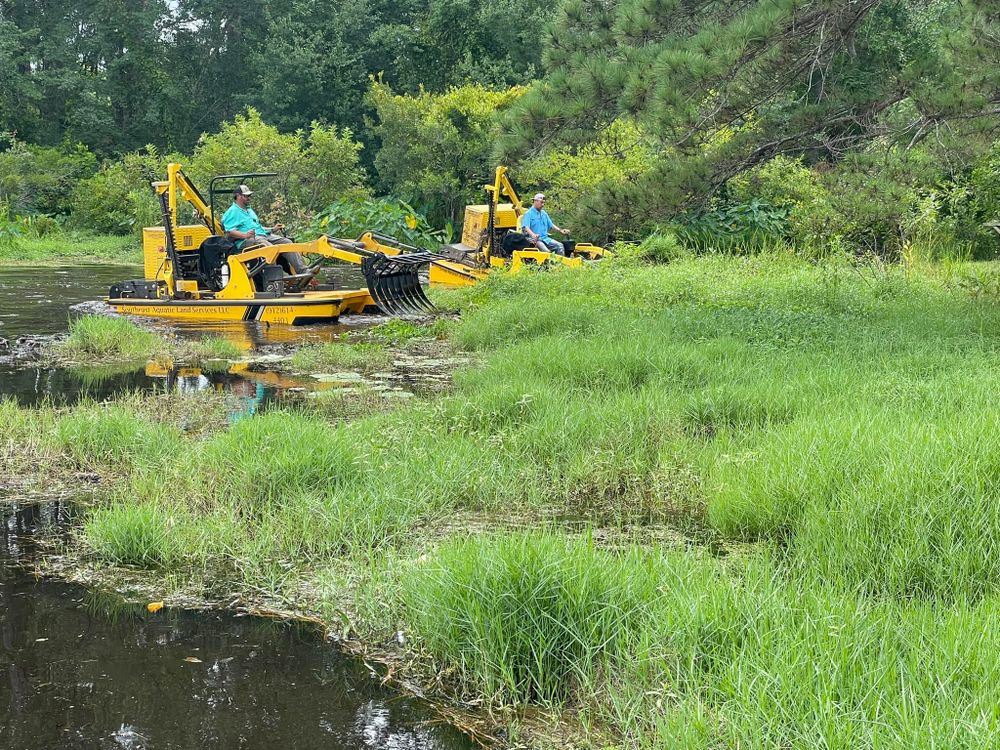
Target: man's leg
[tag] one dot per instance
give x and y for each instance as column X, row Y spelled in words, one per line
column 554, row 246
column 296, row 263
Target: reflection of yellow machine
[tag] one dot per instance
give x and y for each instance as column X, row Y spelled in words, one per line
column 194, row 272
column 490, row 239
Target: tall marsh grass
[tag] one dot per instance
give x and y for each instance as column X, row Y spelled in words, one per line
column 833, row 426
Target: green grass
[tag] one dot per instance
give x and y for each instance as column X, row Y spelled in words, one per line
column 832, row 428
column 103, row 337
column 217, row 347
column 139, row 534
column 64, row 247
column 340, row 356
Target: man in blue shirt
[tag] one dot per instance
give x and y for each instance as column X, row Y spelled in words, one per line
column 242, row 225
column 536, row 223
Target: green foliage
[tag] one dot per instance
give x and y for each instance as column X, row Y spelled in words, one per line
column 663, row 246
column 725, row 89
column 217, row 347
column 435, row 148
column 399, row 330
column 353, row 216
column 338, row 357
column 99, row 438
column 135, row 534
column 810, row 220
column 119, row 198
column 38, row 180
column 314, row 167
column 57, row 247
column 734, row 227
column 530, row 617
column 571, row 178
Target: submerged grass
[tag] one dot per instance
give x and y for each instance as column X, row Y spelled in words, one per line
column 832, row 426
column 370, row 357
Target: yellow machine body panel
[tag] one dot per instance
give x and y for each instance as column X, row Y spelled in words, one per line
column 477, row 217
column 154, row 247
column 310, row 306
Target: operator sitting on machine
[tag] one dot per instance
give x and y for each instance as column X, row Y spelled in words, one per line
column 536, row 223
column 242, row 225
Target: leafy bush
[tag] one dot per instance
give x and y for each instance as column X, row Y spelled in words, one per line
column 790, row 186
column 435, row 148
column 40, row 180
column 358, row 214
column 571, row 178
column 313, row 168
column 735, row 227
column 119, row 199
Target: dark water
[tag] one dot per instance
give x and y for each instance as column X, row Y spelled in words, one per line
column 38, row 303
column 81, row 670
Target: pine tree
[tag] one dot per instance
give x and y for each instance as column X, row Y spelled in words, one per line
column 726, row 85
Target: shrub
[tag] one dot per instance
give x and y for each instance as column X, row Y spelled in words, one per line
column 435, row 148
column 788, row 185
column 41, row 180
column 353, row 216
column 313, row 167
column 571, row 178
column 119, row 198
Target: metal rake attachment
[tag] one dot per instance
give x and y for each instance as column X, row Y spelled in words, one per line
column 394, row 282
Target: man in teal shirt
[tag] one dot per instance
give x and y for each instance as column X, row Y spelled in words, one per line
column 242, row 225
column 536, row 223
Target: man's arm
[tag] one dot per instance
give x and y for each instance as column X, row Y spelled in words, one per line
column 552, row 225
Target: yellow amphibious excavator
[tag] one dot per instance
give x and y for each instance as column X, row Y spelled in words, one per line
column 491, row 239
column 195, row 272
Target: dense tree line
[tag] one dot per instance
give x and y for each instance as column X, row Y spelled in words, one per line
column 116, row 75
column 864, row 125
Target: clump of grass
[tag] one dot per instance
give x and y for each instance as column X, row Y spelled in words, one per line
column 217, row 347
column 399, row 330
column 98, row 437
column 530, row 617
column 366, row 357
column 140, row 534
column 102, row 336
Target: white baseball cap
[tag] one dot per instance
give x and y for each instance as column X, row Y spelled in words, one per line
column 244, row 190
column 539, row 197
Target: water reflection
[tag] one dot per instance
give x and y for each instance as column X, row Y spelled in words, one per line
column 82, row 670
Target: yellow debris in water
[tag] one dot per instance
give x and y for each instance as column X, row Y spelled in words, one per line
column 154, row 606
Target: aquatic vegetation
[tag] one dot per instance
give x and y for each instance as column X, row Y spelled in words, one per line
column 216, row 347
column 365, row 357
column 105, row 337
column 827, row 430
